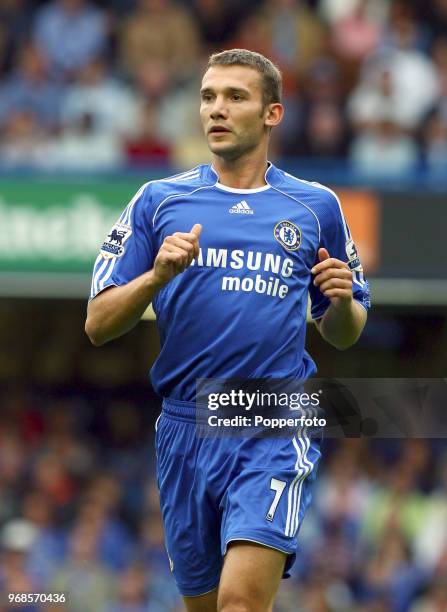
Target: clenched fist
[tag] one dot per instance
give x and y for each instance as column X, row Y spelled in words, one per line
column 334, row 278
column 176, row 254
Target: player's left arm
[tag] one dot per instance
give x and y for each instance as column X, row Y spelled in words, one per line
column 345, row 318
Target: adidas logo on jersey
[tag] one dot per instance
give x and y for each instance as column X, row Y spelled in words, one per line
column 241, row 208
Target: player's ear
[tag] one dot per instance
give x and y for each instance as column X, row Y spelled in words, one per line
column 273, row 114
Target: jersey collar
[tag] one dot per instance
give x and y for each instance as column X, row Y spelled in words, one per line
column 272, row 176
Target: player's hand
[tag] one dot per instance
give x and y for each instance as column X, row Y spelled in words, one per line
column 334, row 278
column 176, row 254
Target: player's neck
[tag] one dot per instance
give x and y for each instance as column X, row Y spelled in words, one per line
column 241, row 173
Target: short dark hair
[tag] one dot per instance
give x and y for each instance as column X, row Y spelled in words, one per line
column 270, row 74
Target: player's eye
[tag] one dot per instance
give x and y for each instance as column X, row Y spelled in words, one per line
column 236, row 97
column 207, row 97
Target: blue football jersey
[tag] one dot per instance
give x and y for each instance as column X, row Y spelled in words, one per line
column 240, row 309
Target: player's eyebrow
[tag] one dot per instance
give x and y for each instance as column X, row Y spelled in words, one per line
column 227, row 90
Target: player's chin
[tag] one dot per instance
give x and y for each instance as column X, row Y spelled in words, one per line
column 225, row 149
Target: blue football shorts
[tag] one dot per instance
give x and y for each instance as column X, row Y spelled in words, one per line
column 219, row 489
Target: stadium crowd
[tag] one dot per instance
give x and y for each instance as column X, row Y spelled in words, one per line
column 96, row 85
column 79, row 513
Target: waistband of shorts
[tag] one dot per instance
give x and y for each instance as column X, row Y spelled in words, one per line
column 197, row 412
column 183, row 410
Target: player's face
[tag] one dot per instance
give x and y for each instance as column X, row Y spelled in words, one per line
column 232, row 110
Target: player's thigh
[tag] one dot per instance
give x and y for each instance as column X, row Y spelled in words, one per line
column 250, row 577
column 202, row 603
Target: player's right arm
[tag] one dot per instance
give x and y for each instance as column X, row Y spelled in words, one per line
column 117, row 309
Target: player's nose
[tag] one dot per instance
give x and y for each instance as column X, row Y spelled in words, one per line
column 219, row 108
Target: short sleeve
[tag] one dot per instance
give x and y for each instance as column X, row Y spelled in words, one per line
column 128, row 249
column 336, row 238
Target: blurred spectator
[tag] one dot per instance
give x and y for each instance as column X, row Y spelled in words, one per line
column 156, row 561
column 216, row 22
column 71, row 33
column 136, row 594
column 111, row 106
column 397, row 504
column 333, row 559
column 434, row 14
column 386, row 87
column 297, row 37
column 435, row 143
column 383, row 151
column 325, row 133
column 152, row 539
column 391, row 573
column 404, row 31
column 286, row 138
column 13, row 464
column 16, row 538
column 24, row 143
column 160, row 30
column 51, row 477
column 148, row 147
column 415, row 454
column 439, row 55
column 322, row 82
column 319, row 102
column 21, row 415
column 29, row 90
column 48, row 547
column 99, row 511
column 405, row 43
column 254, row 33
column 170, row 111
column 15, row 23
column 132, row 592
column 119, row 7
column 63, row 440
column 127, row 456
column 356, row 35
column 318, row 593
column 289, row 33
column 435, row 600
column 430, row 545
column 334, row 10
column 89, row 585
column 345, row 490
column 321, row 105
column 81, row 147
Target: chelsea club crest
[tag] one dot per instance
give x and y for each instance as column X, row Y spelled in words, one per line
column 288, row 235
